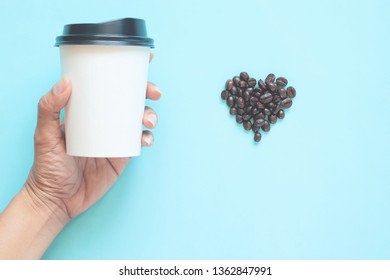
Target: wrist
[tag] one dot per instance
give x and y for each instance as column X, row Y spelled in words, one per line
column 27, row 228
column 50, row 211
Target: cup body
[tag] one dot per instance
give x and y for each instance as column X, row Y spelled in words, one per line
column 103, row 117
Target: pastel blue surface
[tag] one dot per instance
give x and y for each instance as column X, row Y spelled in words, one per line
column 316, row 187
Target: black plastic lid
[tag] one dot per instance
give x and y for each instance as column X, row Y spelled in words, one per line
column 126, row 31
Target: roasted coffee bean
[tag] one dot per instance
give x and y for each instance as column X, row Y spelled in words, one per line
column 260, row 116
column 246, row 95
column 247, row 125
column 242, row 84
column 259, row 122
column 224, row 94
column 240, row 103
column 272, row 118
column 266, row 126
column 229, row 84
column 266, row 97
column 234, row 90
column 230, row 101
column 270, row 78
column 248, row 109
column 250, row 90
column 253, row 100
column 240, row 111
column 252, row 82
column 276, row 109
column 262, row 85
column 246, row 117
column 280, row 114
column 236, row 81
column 281, row 81
column 276, row 99
column 291, row 92
column 244, row 76
column 271, row 105
column 260, row 105
column 239, row 119
column 257, row 94
column 257, row 136
column 233, row 111
column 267, row 111
column 255, row 128
column 282, row 93
column 239, row 92
column 255, row 111
column 272, row 86
column 286, row 103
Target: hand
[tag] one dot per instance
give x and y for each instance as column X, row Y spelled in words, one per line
column 59, row 187
column 65, row 185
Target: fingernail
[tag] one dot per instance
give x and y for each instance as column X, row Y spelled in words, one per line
column 158, row 90
column 61, row 86
column 148, row 140
column 152, row 119
column 155, row 88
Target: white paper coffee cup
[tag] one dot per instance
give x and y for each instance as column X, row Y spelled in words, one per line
column 107, row 64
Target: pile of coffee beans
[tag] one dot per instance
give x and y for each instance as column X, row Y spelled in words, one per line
column 258, row 104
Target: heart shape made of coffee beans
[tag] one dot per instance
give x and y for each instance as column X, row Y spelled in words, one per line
column 258, row 104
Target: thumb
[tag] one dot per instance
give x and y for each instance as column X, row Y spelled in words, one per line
column 49, row 108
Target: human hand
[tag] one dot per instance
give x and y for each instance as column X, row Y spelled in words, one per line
column 64, row 185
column 59, row 187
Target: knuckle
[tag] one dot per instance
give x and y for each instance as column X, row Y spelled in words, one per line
column 43, row 104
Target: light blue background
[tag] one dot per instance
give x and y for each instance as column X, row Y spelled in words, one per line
column 316, row 187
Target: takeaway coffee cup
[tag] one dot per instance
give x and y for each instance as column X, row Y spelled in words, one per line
column 107, row 64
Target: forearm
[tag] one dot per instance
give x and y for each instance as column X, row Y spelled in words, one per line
column 27, row 228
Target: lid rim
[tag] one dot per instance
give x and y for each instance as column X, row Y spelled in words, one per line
column 104, row 43
column 104, row 40
column 125, row 31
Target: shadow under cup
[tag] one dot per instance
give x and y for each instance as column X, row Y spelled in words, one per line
column 107, row 64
